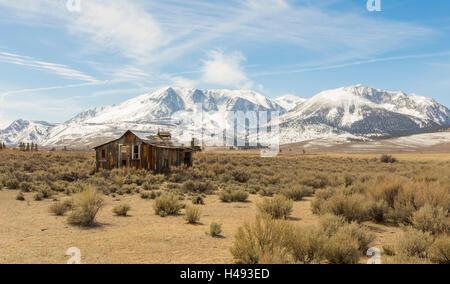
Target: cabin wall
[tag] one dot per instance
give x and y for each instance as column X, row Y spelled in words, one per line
column 109, row 161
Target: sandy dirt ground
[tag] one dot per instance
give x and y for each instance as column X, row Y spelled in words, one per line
column 30, row 234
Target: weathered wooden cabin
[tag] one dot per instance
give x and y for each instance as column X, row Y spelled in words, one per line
column 153, row 153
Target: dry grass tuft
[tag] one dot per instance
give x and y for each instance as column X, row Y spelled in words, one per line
column 121, row 210
column 168, row 204
column 192, row 214
column 86, row 205
column 278, row 207
column 414, row 243
column 59, row 209
column 215, row 229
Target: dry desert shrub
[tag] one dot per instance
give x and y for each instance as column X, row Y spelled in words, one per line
column 86, row 205
column 267, row 191
column 233, row 195
column 44, row 190
column 192, row 215
column 388, row 159
column 150, row 195
column 342, row 248
column 59, row 185
column 241, row 176
column 431, row 219
column 388, row 189
column 198, row 200
column 307, row 245
column 401, row 198
column 150, row 186
column 362, row 235
column 38, row 196
column 128, row 189
column 440, row 250
column 26, row 186
column 390, row 199
column 121, row 210
column 269, row 240
column 198, row 187
column 414, row 243
column 59, row 209
column 215, row 229
column 255, row 243
column 353, row 207
column 297, row 193
column 278, row 207
column 389, row 250
column 404, row 259
column 12, row 184
column 330, row 225
column 378, row 211
column 20, row 197
column 167, row 204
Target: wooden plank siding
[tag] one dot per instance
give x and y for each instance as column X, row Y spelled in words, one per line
column 120, row 154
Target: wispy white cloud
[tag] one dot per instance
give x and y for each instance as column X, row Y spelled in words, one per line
column 119, row 25
column 58, row 69
column 157, row 32
column 37, row 103
column 127, row 73
column 26, row 91
column 349, row 64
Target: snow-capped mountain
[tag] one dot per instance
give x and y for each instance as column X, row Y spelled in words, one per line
column 165, row 109
column 26, row 131
column 289, row 102
column 163, row 103
column 361, row 111
column 356, row 112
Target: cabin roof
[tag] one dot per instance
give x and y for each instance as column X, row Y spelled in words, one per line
column 163, row 143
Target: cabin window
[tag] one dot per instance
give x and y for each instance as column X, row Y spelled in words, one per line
column 136, row 152
column 103, row 154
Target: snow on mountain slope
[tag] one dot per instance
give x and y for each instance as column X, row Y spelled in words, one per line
column 414, row 105
column 367, row 112
column 289, row 102
column 165, row 102
column 161, row 109
column 25, row 131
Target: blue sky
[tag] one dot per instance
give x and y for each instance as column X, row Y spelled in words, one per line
column 55, row 62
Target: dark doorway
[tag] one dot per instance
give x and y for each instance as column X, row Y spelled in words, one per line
column 188, row 159
column 124, row 156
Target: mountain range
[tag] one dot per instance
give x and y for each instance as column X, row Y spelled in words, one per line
column 357, row 113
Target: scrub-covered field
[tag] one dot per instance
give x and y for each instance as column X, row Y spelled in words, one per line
column 228, row 208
